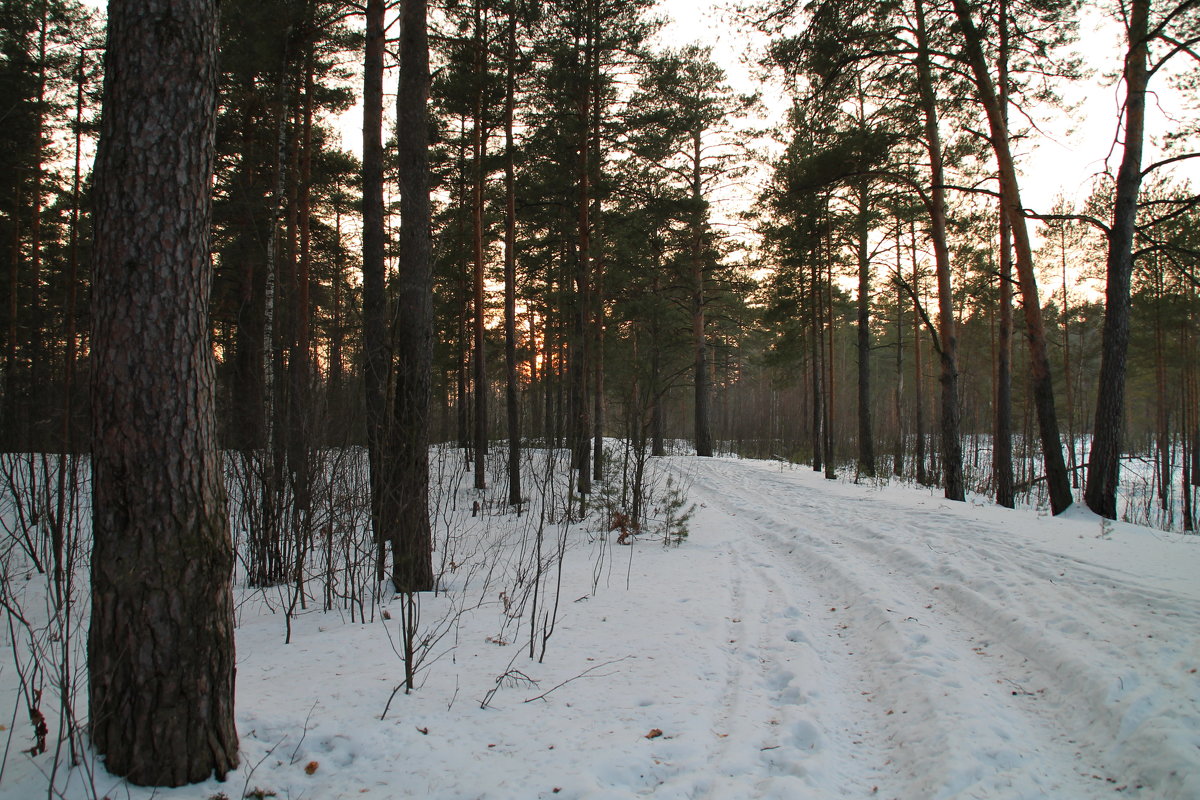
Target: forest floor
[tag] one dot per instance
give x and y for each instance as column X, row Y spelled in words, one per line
column 809, row 639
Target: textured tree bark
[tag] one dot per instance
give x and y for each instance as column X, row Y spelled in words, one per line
column 699, row 331
column 598, row 266
column 580, row 356
column 866, row 441
column 952, row 472
column 406, row 495
column 248, row 406
column 375, row 334
column 512, row 404
column 1057, row 480
column 817, row 360
column 36, row 323
column 160, row 646
column 918, row 372
column 830, row 465
column 1002, row 466
column 1104, row 464
column 898, row 399
column 657, row 423
column 478, row 150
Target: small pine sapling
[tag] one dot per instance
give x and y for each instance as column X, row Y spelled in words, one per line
column 675, row 512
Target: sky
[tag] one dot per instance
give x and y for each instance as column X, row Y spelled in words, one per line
column 1062, row 158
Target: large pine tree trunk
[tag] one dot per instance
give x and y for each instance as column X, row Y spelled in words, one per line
column 512, row 406
column 406, row 493
column 1057, row 480
column 248, row 407
column 918, row 371
column 699, row 331
column 1002, row 466
column 160, row 646
column 866, row 440
column 1105, row 461
column 580, row 357
column 817, row 362
column 478, row 149
column 952, row 472
column 827, row 300
column 375, row 333
column 898, row 399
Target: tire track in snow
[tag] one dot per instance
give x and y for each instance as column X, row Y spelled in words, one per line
column 1110, row 668
column 772, row 741
column 973, row 640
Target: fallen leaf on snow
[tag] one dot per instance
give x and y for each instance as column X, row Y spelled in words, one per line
column 654, row 733
column 311, row 767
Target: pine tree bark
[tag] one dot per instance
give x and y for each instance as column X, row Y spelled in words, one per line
column 1002, row 466
column 699, row 331
column 1057, row 481
column 580, row 357
column 375, row 333
column 160, row 645
column 406, row 494
column 817, row 359
column 898, row 398
column 478, row 149
column 1104, row 464
column 866, row 441
column 512, row 404
column 952, row 470
column 918, row 370
column 1002, row 463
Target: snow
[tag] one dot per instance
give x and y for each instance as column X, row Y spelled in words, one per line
column 809, row 639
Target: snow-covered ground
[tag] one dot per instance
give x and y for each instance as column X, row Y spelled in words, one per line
column 810, row 639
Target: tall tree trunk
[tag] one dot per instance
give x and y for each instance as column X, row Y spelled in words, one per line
column 657, row 434
column 512, row 405
column 1104, row 465
column 300, row 430
column 830, row 466
column 1068, row 379
column 918, row 372
column 1162, row 427
column 337, row 325
column 1002, row 467
column 1188, row 400
column 598, row 267
column 580, row 357
column 478, row 150
column 161, row 704
column 36, row 323
column 72, row 289
column 817, row 359
column 1057, row 480
column 407, row 490
column 952, row 474
column 866, row 440
column 14, row 429
column 699, row 334
column 248, row 407
column 1002, row 463
column 898, row 399
column 376, row 357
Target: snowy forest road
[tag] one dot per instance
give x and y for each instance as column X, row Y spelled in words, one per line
column 809, row 640
column 904, row 646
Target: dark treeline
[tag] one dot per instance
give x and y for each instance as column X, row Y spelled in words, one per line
column 877, row 321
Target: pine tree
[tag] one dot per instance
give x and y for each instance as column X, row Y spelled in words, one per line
column 160, row 645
